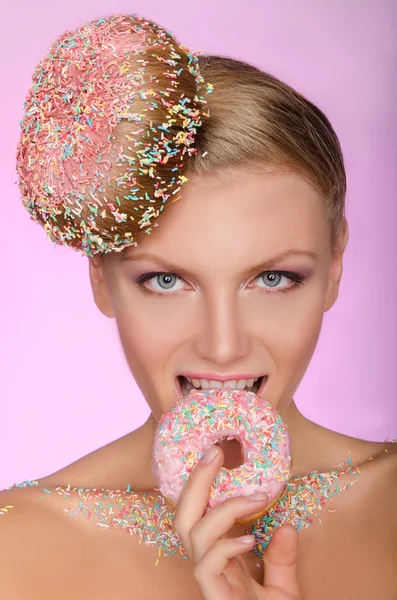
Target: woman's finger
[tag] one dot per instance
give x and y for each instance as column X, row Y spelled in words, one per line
column 194, row 497
column 209, row 571
column 199, row 532
column 221, row 519
column 280, row 560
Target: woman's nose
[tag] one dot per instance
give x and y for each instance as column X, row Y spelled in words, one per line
column 222, row 338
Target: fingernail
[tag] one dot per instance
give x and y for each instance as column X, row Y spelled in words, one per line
column 257, row 497
column 209, row 457
column 246, row 539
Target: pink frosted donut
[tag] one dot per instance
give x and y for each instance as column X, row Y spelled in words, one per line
column 203, row 417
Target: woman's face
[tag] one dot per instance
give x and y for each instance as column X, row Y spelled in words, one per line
column 232, row 285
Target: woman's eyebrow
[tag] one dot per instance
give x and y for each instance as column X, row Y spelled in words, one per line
column 263, row 266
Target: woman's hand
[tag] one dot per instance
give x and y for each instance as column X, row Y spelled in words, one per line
column 220, row 570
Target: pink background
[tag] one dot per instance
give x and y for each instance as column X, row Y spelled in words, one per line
column 65, row 385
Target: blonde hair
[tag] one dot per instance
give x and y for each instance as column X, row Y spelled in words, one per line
column 141, row 93
column 257, row 119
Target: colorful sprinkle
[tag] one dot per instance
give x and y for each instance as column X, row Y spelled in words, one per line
column 151, row 518
column 148, row 515
column 189, row 429
column 106, row 116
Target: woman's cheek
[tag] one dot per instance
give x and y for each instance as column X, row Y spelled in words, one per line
column 151, row 330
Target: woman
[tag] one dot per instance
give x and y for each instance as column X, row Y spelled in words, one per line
column 229, row 289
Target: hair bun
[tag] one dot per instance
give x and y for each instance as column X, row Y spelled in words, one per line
column 110, row 120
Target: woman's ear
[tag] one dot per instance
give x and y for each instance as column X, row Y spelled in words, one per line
column 336, row 268
column 99, row 286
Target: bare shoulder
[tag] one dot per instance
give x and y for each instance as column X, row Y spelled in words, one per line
column 42, row 548
column 355, row 536
column 19, row 510
column 378, row 486
column 24, row 523
column 382, row 469
column 390, row 472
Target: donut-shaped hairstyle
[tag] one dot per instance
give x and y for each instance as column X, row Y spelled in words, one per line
column 109, row 123
column 202, row 418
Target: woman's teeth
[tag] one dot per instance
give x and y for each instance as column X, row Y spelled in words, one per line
column 250, row 385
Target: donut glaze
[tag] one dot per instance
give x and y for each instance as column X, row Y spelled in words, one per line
column 201, row 418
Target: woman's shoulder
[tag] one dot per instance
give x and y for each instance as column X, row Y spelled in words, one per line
column 376, row 476
column 31, row 536
column 45, row 545
column 380, row 467
column 17, row 504
column 381, row 483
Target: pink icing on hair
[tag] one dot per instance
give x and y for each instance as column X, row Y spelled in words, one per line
column 69, row 151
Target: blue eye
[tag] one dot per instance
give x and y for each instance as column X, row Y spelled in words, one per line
column 166, row 281
column 274, row 277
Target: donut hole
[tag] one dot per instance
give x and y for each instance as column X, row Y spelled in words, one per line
column 233, row 452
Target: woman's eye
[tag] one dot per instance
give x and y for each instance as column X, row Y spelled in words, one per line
column 272, row 279
column 160, row 282
column 163, row 282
